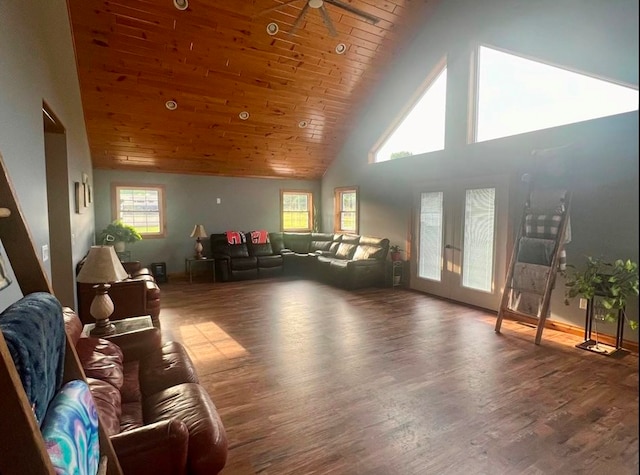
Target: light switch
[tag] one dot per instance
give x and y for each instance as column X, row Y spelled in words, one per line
column 218, row 200
column 45, row 253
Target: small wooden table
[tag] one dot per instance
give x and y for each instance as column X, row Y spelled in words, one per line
column 126, row 325
column 190, row 260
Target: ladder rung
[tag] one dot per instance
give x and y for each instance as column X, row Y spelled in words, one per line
column 526, row 291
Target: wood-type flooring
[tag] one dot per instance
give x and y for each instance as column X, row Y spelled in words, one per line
column 312, row 379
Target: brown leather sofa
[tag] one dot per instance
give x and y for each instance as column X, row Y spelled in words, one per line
column 136, row 296
column 159, row 419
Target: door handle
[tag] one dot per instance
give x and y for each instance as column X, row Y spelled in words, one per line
column 449, row 246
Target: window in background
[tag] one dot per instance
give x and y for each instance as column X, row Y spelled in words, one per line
column 420, row 130
column 518, row 95
column 141, row 207
column 296, row 210
column 346, row 210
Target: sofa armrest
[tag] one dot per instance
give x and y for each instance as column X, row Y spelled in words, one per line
column 162, row 445
column 138, row 344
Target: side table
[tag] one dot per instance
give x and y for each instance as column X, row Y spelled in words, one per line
column 126, row 325
column 188, row 262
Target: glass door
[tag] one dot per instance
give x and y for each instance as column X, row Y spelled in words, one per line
column 461, row 241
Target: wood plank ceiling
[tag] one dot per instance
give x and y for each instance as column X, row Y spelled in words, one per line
column 215, row 60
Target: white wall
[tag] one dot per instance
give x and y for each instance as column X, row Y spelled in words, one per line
column 595, row 36
column 37, row 64
column 246, row 204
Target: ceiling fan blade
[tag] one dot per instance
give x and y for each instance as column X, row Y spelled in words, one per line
column 327, row 21
column 345, row 6
column 296, row 23
column 280, row 5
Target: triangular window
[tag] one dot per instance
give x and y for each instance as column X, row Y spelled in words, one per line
column 422, row 129
column 518, row 95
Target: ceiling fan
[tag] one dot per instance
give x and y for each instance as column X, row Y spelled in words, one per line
column 320, row 5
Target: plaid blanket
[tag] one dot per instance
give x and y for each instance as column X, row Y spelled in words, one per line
column 546, row 226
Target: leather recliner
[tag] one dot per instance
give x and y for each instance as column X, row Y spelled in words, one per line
column 159, row 419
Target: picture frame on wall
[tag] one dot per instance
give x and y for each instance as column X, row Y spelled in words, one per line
column 79, row 196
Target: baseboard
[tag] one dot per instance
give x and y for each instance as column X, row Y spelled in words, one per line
column 571, row 329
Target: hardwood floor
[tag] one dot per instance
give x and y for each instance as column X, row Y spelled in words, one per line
column 311, row 379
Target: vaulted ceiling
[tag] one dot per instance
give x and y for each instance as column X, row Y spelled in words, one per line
column 216, row 60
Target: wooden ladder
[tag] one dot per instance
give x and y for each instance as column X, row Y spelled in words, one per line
column 512, row 292
column 23, row 449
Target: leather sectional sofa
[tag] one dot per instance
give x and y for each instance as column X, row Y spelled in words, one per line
column 349, row 261
column 159, row 418
column 135, row 296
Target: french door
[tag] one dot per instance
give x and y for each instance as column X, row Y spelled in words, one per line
column 460, row 246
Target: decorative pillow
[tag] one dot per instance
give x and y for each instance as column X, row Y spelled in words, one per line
column 368, row 252
column 70, row 431
column 101, row 360
column 345, row 251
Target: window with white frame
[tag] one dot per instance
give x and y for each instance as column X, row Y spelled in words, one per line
column 346, row 210
column 421, row 129
column 517, row 95
column 141, row 206
column 296, row 210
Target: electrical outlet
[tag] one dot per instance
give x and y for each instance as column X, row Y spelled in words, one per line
column 583, row 304
column 45, row 253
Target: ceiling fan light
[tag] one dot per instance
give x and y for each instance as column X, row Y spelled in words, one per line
column 244, row 115
column 171, row 105
column 315, row 3
column 341, row 48
column 181, row 4
column 272, row 28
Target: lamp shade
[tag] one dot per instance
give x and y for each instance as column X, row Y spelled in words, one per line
column 101, row 266
column 198, row 231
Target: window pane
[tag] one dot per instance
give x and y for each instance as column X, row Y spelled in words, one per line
column 140, row 208
column 479, row 231
column 349, row 201
column 518, row 95
column 296, row 211
column 431, row 228
column 422, row 130
column 348, row 221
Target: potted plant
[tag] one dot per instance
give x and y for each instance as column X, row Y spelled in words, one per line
column 614, row 283
column 395, row 252
column 118, row 234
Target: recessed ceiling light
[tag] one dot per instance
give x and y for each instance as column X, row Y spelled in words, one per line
column 272, row 28
column 181, row 4
column 302, row 124
column 341, row 48
column 315, row 3
column 171, row 105
column 244, row 115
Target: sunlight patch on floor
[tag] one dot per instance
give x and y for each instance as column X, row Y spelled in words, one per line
column 208, row 342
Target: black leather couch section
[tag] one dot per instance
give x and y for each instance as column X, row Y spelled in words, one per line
column 350, row 261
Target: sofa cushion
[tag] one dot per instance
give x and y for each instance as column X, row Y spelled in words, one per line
column 191, row 404
column 101, row 360
column 168, row 367
column 108, row 404
column 132, row 416
column 130, row 390
column 368, row 252
column 277, row 242
column 297, row 242
column 259, row 250
column 350, row 238
column 243, row 263
column 345, row 251
column 238, row 250
column 269, row 261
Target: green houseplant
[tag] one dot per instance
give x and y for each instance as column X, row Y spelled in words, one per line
column 613, row 282
column 117, row 232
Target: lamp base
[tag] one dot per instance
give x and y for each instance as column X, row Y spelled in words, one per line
column 103, row 328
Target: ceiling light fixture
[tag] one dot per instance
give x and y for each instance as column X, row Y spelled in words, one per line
column 171, row 105
column 302, row 124
column 244, row 115
column 181, row 4
column 272, row 28
column 341, row 48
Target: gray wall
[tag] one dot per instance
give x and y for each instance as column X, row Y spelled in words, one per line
column 246, row 204
column 601, row 166
column 37, row 64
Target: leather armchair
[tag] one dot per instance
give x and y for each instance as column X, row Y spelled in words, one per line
column 138, row 295
column 159, row 418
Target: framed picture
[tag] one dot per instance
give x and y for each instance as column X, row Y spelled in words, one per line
column 4, row 277
column 79, row 196
column 85, row 195
column 90, row 192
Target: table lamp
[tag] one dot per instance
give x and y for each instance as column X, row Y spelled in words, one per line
column 102, row 267
column 198, row 232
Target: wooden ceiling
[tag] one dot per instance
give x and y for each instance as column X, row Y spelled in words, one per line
column 215, row 60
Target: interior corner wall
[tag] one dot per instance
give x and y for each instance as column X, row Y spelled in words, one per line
column 246, row 204
column 37, row 64
column 601, row 166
